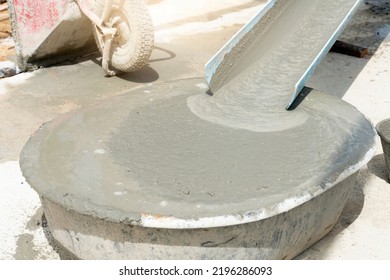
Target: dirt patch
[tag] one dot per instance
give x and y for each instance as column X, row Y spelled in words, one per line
column 6, row 44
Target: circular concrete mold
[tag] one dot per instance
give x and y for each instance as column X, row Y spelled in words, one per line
column 142, row 177
column 383, row 129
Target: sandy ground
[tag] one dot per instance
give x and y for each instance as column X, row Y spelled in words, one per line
column 187, row 35
column 6, row 42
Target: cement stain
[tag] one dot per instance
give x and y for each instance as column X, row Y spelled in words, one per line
column 25, row 247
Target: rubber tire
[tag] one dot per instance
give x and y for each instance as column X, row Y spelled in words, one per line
column 131, row 49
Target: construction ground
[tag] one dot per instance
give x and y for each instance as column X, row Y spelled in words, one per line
column 186, row 36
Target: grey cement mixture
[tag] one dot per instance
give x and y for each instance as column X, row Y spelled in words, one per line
column 257, row 79
column 144, row 158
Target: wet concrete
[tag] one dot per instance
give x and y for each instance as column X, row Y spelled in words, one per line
column 157, row 164
column 162, row 110
column 263, row 73
column 164, row 181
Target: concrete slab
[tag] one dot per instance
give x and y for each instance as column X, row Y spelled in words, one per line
column 28, row 100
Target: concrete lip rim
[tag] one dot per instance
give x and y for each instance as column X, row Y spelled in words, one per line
column 30, row 157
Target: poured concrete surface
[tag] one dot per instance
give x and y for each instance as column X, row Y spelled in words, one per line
column 362, row 232
column 144, row 159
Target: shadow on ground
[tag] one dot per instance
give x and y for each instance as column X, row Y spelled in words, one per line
column 377, row 167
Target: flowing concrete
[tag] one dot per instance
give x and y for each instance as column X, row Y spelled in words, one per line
column 268, row 67
column 144, row 160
